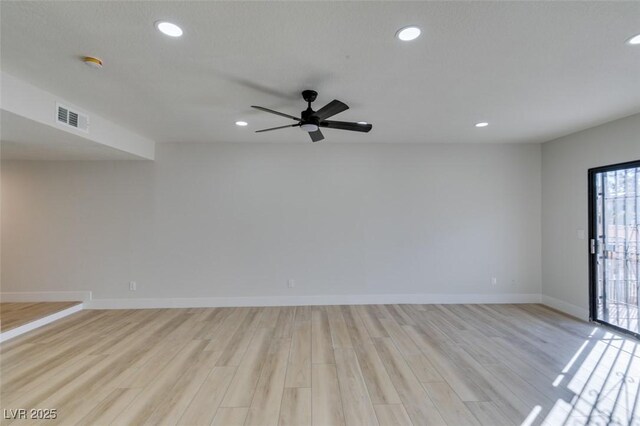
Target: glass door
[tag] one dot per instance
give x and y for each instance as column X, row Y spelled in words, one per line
column 615, row 245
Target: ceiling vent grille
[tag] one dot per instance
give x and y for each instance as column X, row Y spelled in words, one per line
column 67, row 117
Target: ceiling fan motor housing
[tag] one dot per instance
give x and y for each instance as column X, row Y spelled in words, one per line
column 308, row 116
column 309, row 122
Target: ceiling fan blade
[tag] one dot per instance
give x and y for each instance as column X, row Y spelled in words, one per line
column 332, row 108
column 275, row 112
column 316, row 136
column 276, row 128
column 344, row 125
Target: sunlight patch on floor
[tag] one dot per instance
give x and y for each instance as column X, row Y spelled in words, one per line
column 605, row 378
column 532, row 416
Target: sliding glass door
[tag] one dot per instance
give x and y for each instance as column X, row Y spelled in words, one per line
column 615, row 245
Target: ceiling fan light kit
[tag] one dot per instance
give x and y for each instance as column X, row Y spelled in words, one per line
column 311, row 121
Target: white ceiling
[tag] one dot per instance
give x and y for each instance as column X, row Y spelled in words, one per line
column 534, row 70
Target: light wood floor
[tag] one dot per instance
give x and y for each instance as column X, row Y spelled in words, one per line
column 14, row 315
column 335, row 365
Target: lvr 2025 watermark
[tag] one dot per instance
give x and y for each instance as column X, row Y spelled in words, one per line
column 31, row 414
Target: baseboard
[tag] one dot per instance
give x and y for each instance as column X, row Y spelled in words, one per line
column 10, row 334
column 565, row 307
column 45, row 296
column 368, row 299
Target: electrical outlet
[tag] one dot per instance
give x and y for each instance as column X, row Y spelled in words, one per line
column 132, row 286
column 291, row 283
column 494, row 281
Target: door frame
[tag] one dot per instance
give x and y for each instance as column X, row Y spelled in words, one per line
column 593, row 264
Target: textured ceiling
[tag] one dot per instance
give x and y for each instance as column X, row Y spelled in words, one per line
column 534, row 70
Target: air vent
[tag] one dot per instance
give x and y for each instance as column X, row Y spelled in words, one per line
column 73, row 119
column 70, row 118
column 63, row 113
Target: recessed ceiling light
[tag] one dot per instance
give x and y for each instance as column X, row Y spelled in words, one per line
column 172, row 30
column 241, row 123
column 408, row 33
column 634, row 41
column 482, row 124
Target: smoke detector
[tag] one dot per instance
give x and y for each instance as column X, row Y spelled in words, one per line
column 92, row 62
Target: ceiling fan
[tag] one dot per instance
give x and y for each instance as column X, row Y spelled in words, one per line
column 311, row 121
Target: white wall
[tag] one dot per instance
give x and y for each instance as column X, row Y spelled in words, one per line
column 565, row 162
column 221, row 220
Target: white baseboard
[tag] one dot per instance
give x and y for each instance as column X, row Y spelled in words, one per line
column 368, row 299
column 45, row 296
column 4, row 336
column 566, row 307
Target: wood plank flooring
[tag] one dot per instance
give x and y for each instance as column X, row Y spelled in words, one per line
column 14, row 315
column 324, row 365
